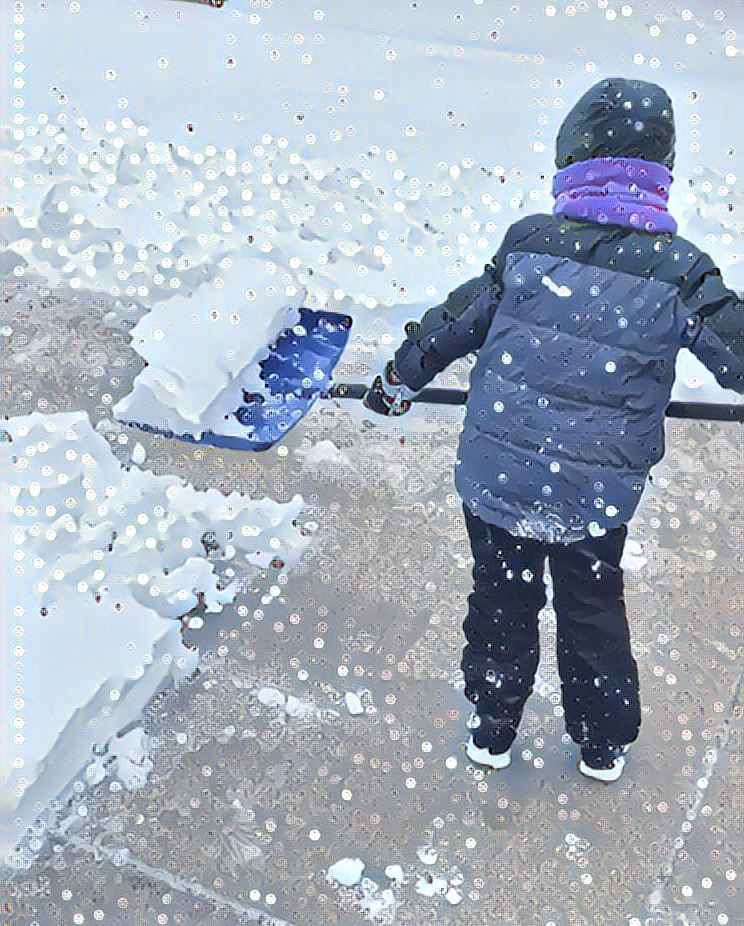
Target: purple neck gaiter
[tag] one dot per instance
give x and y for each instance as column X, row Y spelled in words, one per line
column 616, row 191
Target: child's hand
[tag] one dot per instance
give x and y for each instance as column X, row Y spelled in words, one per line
column 388, row 395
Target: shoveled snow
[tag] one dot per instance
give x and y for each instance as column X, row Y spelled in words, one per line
column 202, row 350
column 414, row 242
column 98, row 562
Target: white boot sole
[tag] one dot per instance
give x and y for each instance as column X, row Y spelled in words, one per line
column 484, row 757
column 603, row 774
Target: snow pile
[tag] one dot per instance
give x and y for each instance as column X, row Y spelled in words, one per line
column 99, row 562
column 203, row 349
column 128, row 758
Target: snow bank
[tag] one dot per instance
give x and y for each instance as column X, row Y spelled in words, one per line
column 365, row 196
column 98, row 563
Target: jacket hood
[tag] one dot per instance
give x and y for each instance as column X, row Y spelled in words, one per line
column 618, row 118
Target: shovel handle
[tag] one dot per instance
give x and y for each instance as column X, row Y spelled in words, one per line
column 705, row 411
column 433, row 396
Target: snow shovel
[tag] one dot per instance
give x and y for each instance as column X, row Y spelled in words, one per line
column 300, row 365
column 298, row 371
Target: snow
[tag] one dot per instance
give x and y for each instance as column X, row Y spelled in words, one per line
column 431, row 885
column 124, row 755
column 132, row 763
column 295, row 707
column 453, row 896
column 346, row 871
column 359, row 702
column 633, row 559
column 395, row 873
column 353, row 703
column 271, row 697
column 377, row 904
column 694, row 382
column 99, row 562
column 139, row 455
column 322, row 452
column 558, row 290
column 427, row 855
column 202, row 350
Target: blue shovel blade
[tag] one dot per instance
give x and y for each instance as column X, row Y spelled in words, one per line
column 303, row 357
column 298, row 369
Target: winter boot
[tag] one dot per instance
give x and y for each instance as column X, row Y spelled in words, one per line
column 608, row 773
column 485, row 756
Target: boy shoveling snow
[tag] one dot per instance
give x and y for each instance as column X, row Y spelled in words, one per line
column 577, row 322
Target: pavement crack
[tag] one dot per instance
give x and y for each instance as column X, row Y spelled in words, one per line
column 657, row 902
column 122, row 859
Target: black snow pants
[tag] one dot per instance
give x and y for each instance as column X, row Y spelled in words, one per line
column 599, row 675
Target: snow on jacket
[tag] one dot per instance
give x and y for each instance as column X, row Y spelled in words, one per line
column 576, row 326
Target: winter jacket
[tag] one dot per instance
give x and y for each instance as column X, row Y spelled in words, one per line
column 576, row 327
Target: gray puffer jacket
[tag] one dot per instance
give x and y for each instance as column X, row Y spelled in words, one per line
column 576, row 327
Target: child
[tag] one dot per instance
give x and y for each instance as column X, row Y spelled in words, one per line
column 577, row 322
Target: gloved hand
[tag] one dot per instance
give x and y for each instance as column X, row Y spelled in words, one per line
column 388, row 395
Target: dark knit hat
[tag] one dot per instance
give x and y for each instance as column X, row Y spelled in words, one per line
column 618, row 118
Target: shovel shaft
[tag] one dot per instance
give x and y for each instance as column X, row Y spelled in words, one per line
column 706, row 411
column 432, row 396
